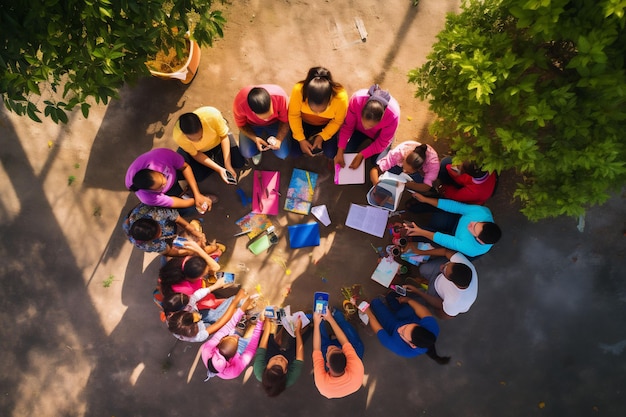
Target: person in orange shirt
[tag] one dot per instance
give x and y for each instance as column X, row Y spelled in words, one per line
column 342, row 356
column 317, row 109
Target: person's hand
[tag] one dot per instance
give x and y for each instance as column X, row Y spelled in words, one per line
column 298, row 325
column 356, row 162
column 276, row 145
column 412, row 229
column 203, row 203
column 224, row 176
column 328, row 316
column 241, row 294
column 317, row 142
column 193, row 246
column 247, row 303
column 420, row 197
column 306, row 147
column 220, row 283
column 317, row 319
column 411, row 288
column 339, row 159
column 404, row 300
column 261, row 144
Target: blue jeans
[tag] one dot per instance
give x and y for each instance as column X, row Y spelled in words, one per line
column 249, row 149
column 394, row 314
column 349, row 331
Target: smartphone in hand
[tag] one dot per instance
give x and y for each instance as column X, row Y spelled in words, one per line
column 179, row 242
column 229, row 277
column 320, row 302
column 399, row 289
column 230, row 178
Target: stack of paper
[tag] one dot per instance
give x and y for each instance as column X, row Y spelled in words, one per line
column 368, row 219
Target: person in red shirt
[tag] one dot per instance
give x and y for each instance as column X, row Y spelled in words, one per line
column 465, row 183
column 260, row 114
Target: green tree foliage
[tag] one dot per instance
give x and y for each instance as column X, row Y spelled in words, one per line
column 89, row 48
column 535, row 86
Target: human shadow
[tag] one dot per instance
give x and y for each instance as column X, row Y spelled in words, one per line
column 129, row 128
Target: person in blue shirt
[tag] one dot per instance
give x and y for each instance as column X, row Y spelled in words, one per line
column 405, row 327
column 465, row 228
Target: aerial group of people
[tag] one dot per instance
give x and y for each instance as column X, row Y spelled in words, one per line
column 198, row 302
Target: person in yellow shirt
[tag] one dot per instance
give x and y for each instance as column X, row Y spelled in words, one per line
column 206, row 144
column 317, row 109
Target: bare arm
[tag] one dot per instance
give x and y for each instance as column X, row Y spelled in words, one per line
column 414, row 230
column 374, row 174
column 267, row 329
column 421, row 310
column 420, row 187
column 374, row 323
column 228, row 314
column 317, row 337
column 299, row 344
column 341, row 336
column 199, row 199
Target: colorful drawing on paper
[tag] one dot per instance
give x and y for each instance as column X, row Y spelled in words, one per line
column 300, row 192
column 255, row 223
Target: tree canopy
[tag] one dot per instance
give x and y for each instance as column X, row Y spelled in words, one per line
column 535, row 86
column 63, row 52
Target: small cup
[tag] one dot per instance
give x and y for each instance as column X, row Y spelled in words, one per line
column 400, row 241
column 393, row 250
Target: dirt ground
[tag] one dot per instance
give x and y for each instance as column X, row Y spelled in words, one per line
column 81, row 335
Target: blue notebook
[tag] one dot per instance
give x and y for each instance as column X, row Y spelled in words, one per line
column 303, row 235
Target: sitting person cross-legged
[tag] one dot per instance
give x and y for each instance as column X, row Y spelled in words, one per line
column 225, row 354
column 464, row 228
column 153, row 229
column 261, row 113
column 342, row 356
column 188, row 323
column 278, row 361
column 405, row 327
column 466, row 183
column 452, row 282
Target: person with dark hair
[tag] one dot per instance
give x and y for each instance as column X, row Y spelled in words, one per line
column 153, row 229
column 154, row 177
column 261, row 113
column 186, row 275
column 225, row 354
column 465, row 183
column 405, row 327
column 419, row 161
column 465, row 228
column 190, row 324
column 451, row 279
column 317, row 109
column 206, row 145
column 341, row 355
column 278, row 361
column 372, row 118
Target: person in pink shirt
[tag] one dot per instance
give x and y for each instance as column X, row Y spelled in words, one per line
column 419, row 161
column 221, row 353
column 372, row 118
column 261, row 113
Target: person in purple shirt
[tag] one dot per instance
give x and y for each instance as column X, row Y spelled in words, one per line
column 372, row 118
column 154, row 176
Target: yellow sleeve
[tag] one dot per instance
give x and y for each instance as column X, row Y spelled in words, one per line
column 295, row 113
column 339, row 108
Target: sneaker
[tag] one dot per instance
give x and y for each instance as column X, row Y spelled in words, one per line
column 256, row 159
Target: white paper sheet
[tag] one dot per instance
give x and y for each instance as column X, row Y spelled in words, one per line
column 346, row 175
column 368, row 219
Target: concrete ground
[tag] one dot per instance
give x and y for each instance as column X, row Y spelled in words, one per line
column 81, row 336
